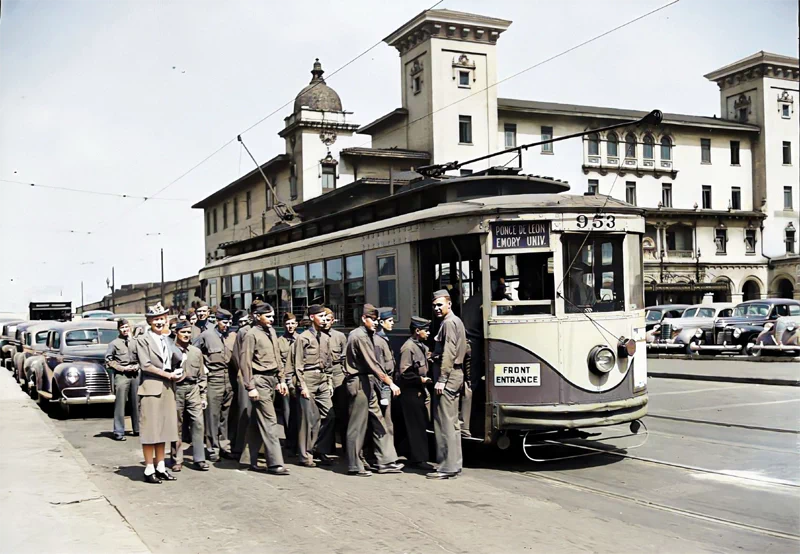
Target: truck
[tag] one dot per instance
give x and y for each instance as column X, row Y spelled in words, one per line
column 52, row 311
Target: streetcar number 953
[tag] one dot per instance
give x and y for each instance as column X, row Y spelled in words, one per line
column 598, row 221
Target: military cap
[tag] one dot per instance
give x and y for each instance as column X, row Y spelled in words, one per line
column 201, row 304
column 315, row 309
column 420, row 322
column 121, row 322
column 370, row 311
column 255, row 304
column 223, row 314
column 440, row 293
column 263, row 308
column 288, row 317
column 240, row 315
column 182, row 325
column 386, row 313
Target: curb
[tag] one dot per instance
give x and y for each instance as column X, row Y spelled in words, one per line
column 726, row 378
column 727, row 358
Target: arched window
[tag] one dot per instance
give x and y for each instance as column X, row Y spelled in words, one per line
column 630, row 145
column 594, row 144
column 648, row 147
column 612, row 145
column 666, row 148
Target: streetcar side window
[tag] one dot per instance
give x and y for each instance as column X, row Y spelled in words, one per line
column 526, row 280
column 594, row 273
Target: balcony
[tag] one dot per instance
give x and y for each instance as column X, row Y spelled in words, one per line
column 639, row 167
column 680, row 253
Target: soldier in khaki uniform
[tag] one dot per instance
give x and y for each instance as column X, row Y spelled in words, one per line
column 413, row 380
column 121, row 358
column 451, row 347
column 289, row 406
column 361, row 364
column 313, row 368
column 386, row 359
column 338, row 343
column 190, row 398
column 242, row 407
column 262, row 375
column 216, row 344
column 200, row 321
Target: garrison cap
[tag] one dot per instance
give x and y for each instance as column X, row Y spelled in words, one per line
column 121, row 322
column 370, row 311
column 223, row 314
column 440, row 293
column 255, row 304
column 420, row 322
column 241, row 315
column 288, row 317
column 201, row 304
column 182, row 325
column 263, row 308
column 315, row 309
column 386, row 313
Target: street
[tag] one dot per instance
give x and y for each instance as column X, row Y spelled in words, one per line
column 717, row 473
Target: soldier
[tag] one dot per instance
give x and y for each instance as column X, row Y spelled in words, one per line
column 242, row 406
column 262, row 375
column 451, row 347
column 338, row 343
column 241, row 324
column 361, row 364
column 121, row 358
column 413, row 380
column 312, row 360
column 157, row 410
column 289, row 405
column 387, row 360
column 216, row 344
column 202, row 311
column 190, row 398
column 472, row 317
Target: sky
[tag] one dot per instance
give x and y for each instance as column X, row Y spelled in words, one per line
column 126, row 97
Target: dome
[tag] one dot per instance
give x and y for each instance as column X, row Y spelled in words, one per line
column 317, row 95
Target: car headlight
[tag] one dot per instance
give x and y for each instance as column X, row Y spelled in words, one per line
column 656, row 327
column 602, row 359
column 737, row 333
column 72, row 375
column 698, row 333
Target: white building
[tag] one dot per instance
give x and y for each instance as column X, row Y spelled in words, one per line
column 720, row 193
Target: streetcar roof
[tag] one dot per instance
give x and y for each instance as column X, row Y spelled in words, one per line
column 529, row 203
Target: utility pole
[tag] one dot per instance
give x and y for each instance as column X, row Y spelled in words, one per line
column 162, row 276
column 82, row 304
column 113, row 286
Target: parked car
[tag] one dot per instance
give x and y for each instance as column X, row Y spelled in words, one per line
column 782, row 337
column 733, row 334
column 653, row 315
column 71, row 370
column 8, row 342
column 97, row 314
column 32, row 338
column 17, row 360
column 678, row 334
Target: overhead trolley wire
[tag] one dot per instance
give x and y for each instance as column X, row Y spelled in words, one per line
column 94, row 192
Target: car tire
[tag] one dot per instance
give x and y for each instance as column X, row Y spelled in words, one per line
column 689, row 351
column 753, row 353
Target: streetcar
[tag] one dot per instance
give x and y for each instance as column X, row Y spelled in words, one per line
column 555, row 278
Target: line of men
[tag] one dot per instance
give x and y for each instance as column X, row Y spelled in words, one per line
column 303, row 388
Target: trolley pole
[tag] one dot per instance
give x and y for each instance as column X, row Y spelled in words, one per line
column 162, row 276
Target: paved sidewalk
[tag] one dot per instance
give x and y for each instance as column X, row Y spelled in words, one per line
column 46, row 498
column 725, row 370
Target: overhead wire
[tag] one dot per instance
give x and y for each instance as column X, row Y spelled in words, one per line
column 86, row 191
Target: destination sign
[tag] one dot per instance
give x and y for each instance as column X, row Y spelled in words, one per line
column 520, row 234
column 517, row 375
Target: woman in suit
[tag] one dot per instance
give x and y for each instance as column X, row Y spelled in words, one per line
column 158, row 418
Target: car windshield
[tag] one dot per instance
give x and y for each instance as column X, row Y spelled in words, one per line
column 653, row 315
column 690, row 312
column 705, row 312
column 90, row 336
column 751, row 310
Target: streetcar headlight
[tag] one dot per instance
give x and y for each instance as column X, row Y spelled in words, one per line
column 737, row 333
column 698, row 333
column 602, row 359
column 72, row 375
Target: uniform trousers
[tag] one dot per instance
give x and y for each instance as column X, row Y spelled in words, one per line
column 316, row 433
column 414, row 408
column 188, row 401
column 220, row 397
column 341, row 405
column 290, row 417
column 264, row 430
column 241, row 421
column 126, row 389
column 446, row 425
column 364, row 411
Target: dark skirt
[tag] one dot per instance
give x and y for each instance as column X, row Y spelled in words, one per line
column 158, row 417
column 415, row 417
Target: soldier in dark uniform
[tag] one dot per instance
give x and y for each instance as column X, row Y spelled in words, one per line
column 451, row 348
column 413, row 379
column 472, row 317
column 313, row 368
column 241, row 322
column 190, row 398
column 361, row 364
column 216, row 344
column 288, row 406
column 262, row 376
column 121, row 358
column 338, row 343
column 202, row 312
column 386, row 359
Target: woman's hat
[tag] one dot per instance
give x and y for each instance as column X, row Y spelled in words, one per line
column 156, row 311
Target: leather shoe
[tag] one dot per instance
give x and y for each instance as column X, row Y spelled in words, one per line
column 278, row 470
column 326, row 460
column 152, row 478
column 119, row 438
column 165, row 475
column 307, row 463
column 227, row 455
column 213, row 457
column 202, row 466
column 362, row 473
column 176, row 467
column 440, row 475
column 390, row 468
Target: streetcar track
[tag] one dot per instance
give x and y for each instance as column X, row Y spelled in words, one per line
column 724, row 424
column 663, row 507
column 723, row 443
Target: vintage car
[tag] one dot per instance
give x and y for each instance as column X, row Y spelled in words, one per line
column 733, row 334
column 32, row 341
column 677, row 334
column 8, row 342
column 782, row 337
column 653, row 315
column 96, row 314
column 71, row 370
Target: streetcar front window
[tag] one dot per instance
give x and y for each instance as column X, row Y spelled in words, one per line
column 593, row 267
